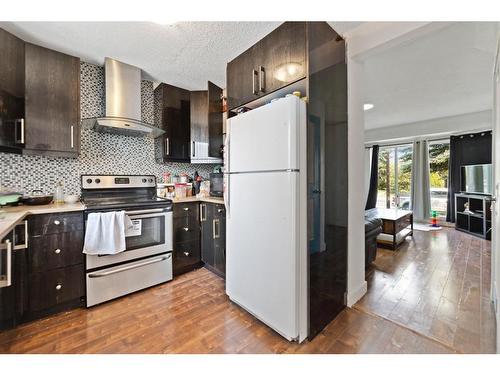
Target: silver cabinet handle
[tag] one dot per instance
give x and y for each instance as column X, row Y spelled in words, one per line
column 262, row 79
column 131, row 267
column 167, row 146
column 185, row 208
column 72, row 136
column 254, row 75
column 186, row 229
column 215, row 229
column 57, row 222
column 194, row 148
column 58, row 287
column 7, row 279
column 220, row 210
column 21, row 125
column 57, row 251
column 203, row 212
column 186, row 253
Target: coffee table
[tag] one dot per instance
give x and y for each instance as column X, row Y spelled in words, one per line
column 396, row 226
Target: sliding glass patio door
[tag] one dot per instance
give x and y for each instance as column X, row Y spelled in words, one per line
column 394, row 176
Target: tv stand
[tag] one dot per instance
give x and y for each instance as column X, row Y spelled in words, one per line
column 473, row 214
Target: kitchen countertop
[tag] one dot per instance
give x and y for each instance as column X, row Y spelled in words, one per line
column 11, row 216
column 195, row 199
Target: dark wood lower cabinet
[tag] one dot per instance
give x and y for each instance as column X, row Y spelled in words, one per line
column 213, row 237
column 186, row 239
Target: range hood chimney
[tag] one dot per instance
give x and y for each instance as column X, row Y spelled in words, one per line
column 123, row 103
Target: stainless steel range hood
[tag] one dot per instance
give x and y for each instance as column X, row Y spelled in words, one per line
column 123, row 103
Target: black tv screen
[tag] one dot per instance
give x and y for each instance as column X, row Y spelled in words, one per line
column 477, row 179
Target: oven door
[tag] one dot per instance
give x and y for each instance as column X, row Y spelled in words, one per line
column 150, row 235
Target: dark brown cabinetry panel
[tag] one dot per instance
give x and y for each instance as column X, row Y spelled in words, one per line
column 11, row 92
column 186, row 228
column 215, row 120
column 175, row 111
column 52, row 102
column 213, row 237
column 199, row 120
column 55, row 251
column 60, row 286
column 12, row 64
column 277, row 60
column 55, row 223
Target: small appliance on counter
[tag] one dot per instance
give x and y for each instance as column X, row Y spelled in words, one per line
column 217, row 183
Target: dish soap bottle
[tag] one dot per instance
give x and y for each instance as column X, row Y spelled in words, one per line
column 59, row 194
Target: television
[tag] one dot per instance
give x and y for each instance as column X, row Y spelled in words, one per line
column 476, row 179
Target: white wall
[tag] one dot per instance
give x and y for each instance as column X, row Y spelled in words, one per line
column 356, row 284
column 444, row 127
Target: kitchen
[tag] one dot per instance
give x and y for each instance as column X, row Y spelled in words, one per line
column 108, row 145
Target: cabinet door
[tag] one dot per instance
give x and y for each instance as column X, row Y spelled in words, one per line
column 215, row 120
column 199, row 121
column 207, row 242
column 52, row 94
column 176, row 122
column 219, row 229
column 11, row 64
column 242, row 77
column 11, row 93
column 281, row 57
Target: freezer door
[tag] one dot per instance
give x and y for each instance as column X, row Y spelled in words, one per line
column 265, row 138
column 263, row 251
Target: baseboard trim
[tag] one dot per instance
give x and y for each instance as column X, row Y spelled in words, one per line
column 356, row 295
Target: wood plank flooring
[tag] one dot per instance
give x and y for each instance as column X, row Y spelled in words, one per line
column 192, row 314
column 437, row 284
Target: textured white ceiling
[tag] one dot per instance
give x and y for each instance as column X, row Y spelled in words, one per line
column 446, row 73
column 186, row 54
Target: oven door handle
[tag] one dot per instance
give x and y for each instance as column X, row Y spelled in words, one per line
column 131, row 267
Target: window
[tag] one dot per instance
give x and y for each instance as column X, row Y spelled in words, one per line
column 394, row 177
column 439, row 155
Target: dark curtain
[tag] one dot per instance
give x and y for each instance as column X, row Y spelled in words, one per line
column 465, row 149
column 371, row 201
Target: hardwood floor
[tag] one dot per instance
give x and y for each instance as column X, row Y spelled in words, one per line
column 437, row 284
column 192, row 314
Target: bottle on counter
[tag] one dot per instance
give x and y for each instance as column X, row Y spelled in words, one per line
column 59, row 193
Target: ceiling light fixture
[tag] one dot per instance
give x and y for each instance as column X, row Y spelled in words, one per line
column 367, row 106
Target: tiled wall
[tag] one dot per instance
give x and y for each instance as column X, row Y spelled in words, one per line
column 100, row 153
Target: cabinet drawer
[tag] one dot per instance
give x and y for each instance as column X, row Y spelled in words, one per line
column 186, row 229
column 186, row 254
column 186, row 210
column 48, row 289
column 403, row 223
column 55, row 223
column 55, row 251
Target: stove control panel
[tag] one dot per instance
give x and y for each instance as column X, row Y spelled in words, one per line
column 110, row 182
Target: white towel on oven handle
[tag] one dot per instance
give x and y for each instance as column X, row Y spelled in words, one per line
column 105, row 233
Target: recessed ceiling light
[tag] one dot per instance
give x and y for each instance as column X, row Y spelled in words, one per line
column 368, row 106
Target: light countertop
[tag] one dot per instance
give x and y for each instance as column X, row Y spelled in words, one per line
column 195, row 199
column 11, row 216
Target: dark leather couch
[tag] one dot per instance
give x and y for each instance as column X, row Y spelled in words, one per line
column 373, row 226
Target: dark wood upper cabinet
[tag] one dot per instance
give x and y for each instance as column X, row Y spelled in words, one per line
column 12, row 64
column 11, row 92
column 215, row 121
column 199, row 122
column 275, row 61
column 52, row 102
column 175, row 111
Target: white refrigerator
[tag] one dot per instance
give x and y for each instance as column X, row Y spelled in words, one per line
column 266, row 204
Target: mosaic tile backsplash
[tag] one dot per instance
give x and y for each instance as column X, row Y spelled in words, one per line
column 100, row 153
